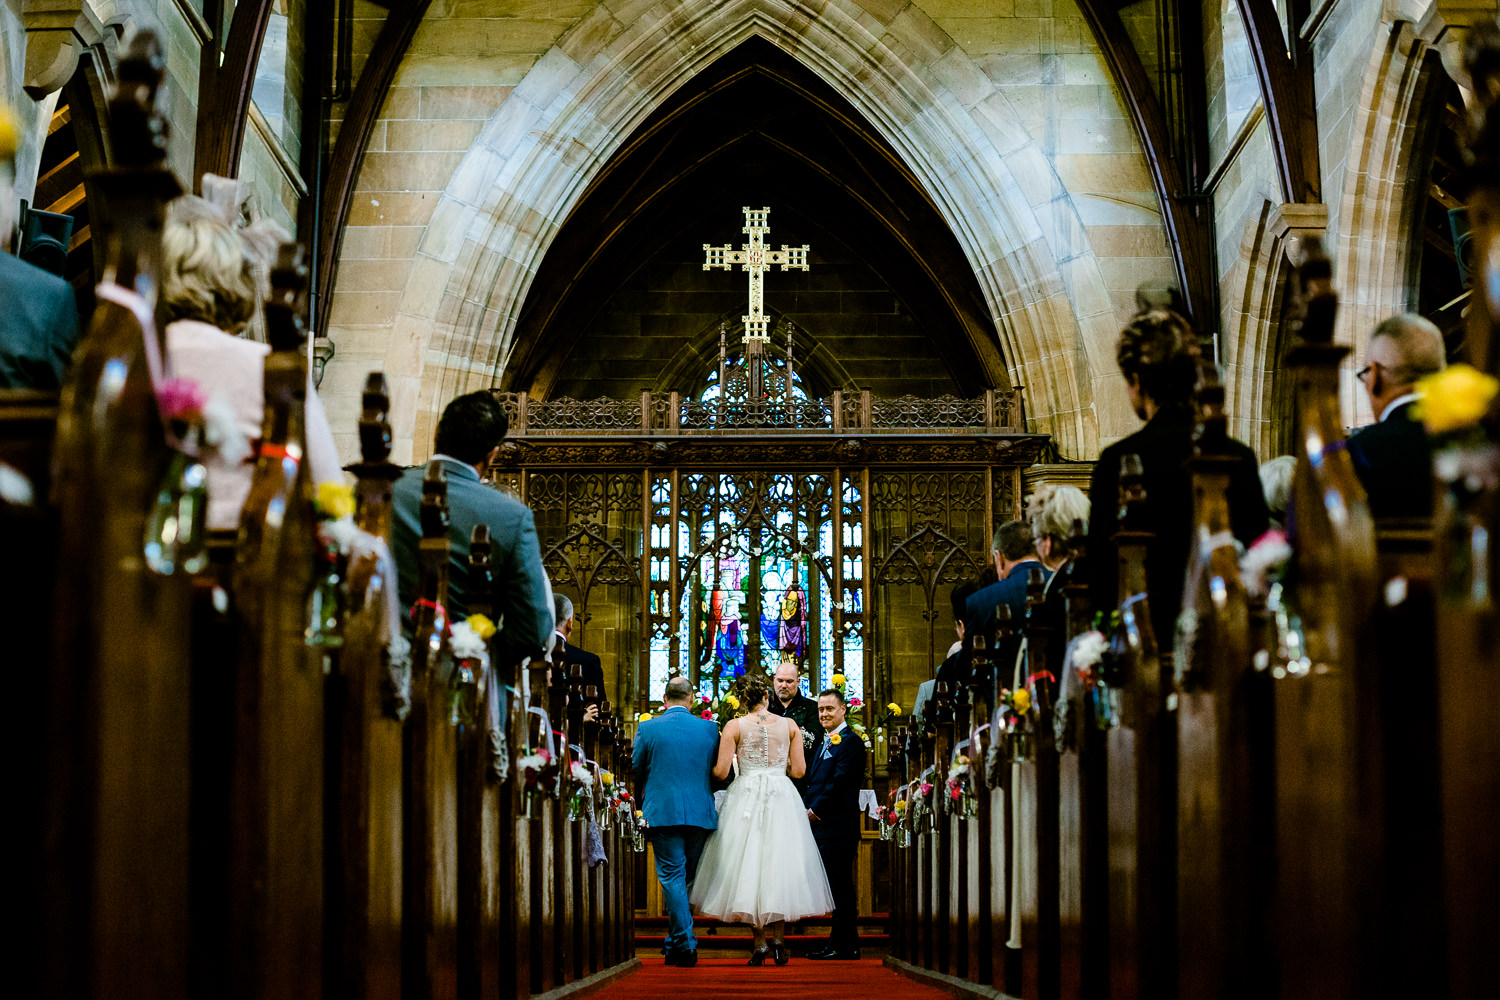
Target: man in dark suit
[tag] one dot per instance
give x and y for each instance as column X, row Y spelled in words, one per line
column 468, row 435
column 834, row 778
column 1158, row 355
column 39, row 324
column 1391, row 456
column 674, row 756
column 788, row 701
column 590, row 667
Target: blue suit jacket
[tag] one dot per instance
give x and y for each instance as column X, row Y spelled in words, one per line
column 979, row 609
column 521, row 592
column 674, row 759
column 38, row 326
column 833, row 785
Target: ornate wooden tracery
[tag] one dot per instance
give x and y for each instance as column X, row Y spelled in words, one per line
column 829, row 536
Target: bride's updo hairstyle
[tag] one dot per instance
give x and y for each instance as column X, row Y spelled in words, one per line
column 753, row 693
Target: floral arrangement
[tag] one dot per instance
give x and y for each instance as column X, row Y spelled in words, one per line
column 962, row 797
column 469, row 639
column 468, row 643
column 175, row 536
column 194, row 417
column 583, row 790
column 539, row 773
column 1015, row 722
column 333, row 505
column 1263, row 563
column 1454, row 401
column 854, row 715
column 718, row 710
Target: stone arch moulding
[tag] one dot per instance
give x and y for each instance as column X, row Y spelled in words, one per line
column 1274, row 237
column 1382, row 183
column 536, row 156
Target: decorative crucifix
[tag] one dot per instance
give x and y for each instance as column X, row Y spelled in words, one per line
column 756, row 260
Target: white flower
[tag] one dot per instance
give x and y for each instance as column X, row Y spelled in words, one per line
column 582, row 774
column 338, row 535
column 534, row 762
column 807, row 739
column 221, row 431
column 465, row 643
column 1270, row 552
column 1088, row 649
column 957, row 771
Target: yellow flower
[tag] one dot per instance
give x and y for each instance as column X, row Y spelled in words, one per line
column 900, row 805
column 482, row 626
column 838, row 680
column 640, row 814
column 643, row 717
column 10, row 137
column 1021, row 701
column 895, row 708
column 731, row 701
column 1454, row 398
column 607, row 778
column 835, row 739
column 335, row 500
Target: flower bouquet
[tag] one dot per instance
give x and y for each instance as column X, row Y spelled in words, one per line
column 1458, row 408
column 922, row 806
column 582, row 790
column 638, row 831
column 538, row 779
column 961, row 799
column 468, row 642
column 1015, row 724
column 606, row 799
column 333, row 504
column 175, row 532
column 890, row 817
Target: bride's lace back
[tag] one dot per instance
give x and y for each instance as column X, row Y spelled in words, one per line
column 764, row 746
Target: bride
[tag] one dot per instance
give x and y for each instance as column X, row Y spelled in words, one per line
column 762, row 865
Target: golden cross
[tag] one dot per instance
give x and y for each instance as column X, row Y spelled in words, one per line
column 756, row 259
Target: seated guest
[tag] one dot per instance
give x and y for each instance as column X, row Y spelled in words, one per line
column 567, row 654
column 954, row 661
column 468, row 436
column 1276, row 486
column 1158, row 355
column 1013, row 551
column 1051, row 511
column 1391, row 456
column 208, row 298
column 39, row 324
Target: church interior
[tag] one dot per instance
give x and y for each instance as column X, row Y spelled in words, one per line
column 790, row 310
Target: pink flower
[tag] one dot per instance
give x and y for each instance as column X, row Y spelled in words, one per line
column 181, row 399
column 926, row 788
column 955, row 792
column 707, row 714
column 855, row 703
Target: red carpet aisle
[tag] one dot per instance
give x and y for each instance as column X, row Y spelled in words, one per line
column 731, row 978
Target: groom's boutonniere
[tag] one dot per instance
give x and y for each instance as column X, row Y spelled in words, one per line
column 835, row 739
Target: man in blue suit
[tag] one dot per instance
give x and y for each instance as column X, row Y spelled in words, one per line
column 674, row 757
column 468, row 435
column 834, row 778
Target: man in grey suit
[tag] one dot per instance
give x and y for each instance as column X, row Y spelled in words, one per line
column 674, row 756
column 39, row 324
column 468, row 435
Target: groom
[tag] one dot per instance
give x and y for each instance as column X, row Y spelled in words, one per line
column 834, row 777
column 674, row 756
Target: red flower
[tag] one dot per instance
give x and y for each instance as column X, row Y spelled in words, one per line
column 955, row 792
column 855, row 703
column 707, row 714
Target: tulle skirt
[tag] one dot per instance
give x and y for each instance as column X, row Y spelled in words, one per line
column 761, row 864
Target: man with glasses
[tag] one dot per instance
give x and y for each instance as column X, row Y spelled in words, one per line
column 1392, row 456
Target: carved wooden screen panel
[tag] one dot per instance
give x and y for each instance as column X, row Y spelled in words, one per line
column 589, row 525
column 930, row 531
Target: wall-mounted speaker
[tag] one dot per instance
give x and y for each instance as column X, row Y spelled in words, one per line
column 44, row 239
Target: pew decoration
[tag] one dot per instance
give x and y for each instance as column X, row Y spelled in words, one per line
column 1086, row 693
column 175, row 536
column 961, row 798
column 1456, row 408
column 333, row 504
column 1016, row 724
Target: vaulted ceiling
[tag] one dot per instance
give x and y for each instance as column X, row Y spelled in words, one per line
column 757, row 128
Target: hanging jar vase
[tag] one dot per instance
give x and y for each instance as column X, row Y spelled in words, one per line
column 325, row 604
column 463, row 693
column 176, row 525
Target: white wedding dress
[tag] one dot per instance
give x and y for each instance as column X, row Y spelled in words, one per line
column 761, row 864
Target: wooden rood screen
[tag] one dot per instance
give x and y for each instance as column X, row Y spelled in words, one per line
column 715, row 538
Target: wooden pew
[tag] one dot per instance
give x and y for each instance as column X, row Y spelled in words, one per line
column 1037, row 816
column 1141, row 765
column 1468, row 618
column 1222, row 713
column 368, row 698
column 275, row 834
column 429, row 847
column 1327, row 813
column 479, row 886
column 115, row 807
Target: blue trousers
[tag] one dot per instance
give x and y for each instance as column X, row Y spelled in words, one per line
column 677, row 850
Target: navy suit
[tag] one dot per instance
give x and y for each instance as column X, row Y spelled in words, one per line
column 38, row 326
column 1393, row 460
column 674, row 758
column 834, row 777
column 523, row 600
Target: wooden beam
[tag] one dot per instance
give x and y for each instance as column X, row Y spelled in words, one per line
column 224, row 92
column 354, row 135
column 1286, row 89
column 1187, row 214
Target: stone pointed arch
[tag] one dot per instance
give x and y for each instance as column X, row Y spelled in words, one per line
column 954, row 128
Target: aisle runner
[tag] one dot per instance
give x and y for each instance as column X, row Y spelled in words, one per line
column 731, row 978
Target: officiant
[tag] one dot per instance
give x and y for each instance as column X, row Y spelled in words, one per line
column 788, row 701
